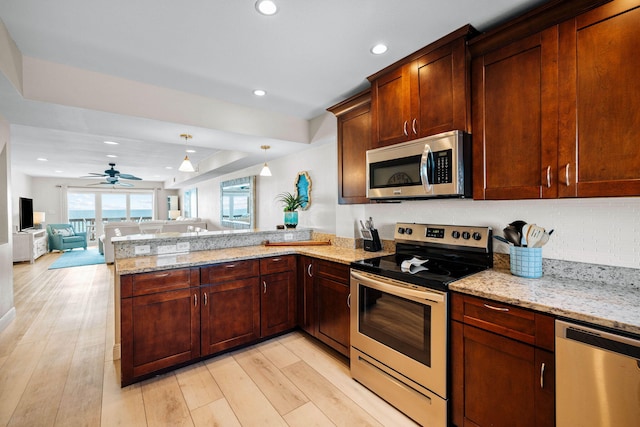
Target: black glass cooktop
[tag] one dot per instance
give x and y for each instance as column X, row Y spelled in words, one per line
column 421, row 270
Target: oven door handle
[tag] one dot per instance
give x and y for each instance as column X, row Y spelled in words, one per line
column 398, row 290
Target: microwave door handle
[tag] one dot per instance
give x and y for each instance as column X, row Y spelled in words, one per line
column 424, row 168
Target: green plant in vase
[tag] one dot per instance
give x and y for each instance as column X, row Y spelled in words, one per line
column 291, row 202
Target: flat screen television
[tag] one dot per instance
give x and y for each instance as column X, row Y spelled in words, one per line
column 25, row 207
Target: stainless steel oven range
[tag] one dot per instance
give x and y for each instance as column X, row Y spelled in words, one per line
column 400, row 315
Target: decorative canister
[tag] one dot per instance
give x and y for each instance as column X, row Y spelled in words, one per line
column 526, row 262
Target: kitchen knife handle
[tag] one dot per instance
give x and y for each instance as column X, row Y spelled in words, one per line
column 566, row 174
column 549, row 176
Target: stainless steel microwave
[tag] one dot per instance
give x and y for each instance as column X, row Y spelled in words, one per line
column 435, row 166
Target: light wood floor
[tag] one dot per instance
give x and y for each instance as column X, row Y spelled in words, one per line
column 57, row 369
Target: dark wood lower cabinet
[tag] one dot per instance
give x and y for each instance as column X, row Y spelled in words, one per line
column 230, row 314
column 332, row 298
column 161, row 329
column 278, row 303
column 499, row 380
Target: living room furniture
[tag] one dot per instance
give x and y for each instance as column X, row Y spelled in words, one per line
column 64, row 236
column 29, row 245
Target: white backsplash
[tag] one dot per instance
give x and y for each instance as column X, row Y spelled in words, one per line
column 597, row 231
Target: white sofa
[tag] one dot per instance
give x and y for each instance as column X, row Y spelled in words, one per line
column 126, row 228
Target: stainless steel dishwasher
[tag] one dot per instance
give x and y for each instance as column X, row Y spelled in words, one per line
column 597, row 378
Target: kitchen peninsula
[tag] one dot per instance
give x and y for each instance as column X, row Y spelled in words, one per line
column 225, row 289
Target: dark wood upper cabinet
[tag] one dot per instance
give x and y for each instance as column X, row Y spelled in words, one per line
column 600, row 102
column 515, row 116
column 354, row 139
column 424, row 94
column 555, row 103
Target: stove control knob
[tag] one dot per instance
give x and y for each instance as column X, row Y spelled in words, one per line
column 400, row 230
column 466, row 235
column 409, row 231
column 455, row 234
column 477, row 236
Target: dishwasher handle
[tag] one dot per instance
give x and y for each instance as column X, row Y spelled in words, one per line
column 600, row 339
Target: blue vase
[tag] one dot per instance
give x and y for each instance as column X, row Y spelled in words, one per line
column 291, row 219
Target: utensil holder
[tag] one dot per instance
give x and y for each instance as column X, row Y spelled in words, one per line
column 526, row 262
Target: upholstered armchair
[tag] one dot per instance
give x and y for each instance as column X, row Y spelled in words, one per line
column 63, row 237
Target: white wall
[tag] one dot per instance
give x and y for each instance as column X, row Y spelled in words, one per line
column 598, row 230
column 7, row 310
column 319, row 161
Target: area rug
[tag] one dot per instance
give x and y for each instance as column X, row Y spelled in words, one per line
column 78, row 257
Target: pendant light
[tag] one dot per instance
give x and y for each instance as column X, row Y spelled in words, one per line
column 265, row 169
column 186, row 165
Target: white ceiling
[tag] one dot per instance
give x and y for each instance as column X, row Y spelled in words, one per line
column 309, row 56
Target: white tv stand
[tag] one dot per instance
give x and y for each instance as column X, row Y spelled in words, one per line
column 29, row 245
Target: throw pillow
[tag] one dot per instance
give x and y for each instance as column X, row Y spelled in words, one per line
column 65, row 232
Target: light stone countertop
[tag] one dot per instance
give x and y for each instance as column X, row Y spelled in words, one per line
column 192, row 259
column 609, row 305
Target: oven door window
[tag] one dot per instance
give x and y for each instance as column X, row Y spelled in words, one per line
column 401, row 172
column 396, row 322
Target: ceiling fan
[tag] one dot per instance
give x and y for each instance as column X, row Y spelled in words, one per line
column 112, row 177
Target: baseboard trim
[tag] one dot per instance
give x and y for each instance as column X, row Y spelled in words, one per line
column 7, row 318
column 116, row 352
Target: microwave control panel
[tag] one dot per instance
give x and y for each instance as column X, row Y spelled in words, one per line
column 443, row 167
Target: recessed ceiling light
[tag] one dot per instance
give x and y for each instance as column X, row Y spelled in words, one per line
column 111, row 142
column 112, row 156
column 379, row 49
column 266, row 7
column 42, row 159
column 259, row 92
column 190, row 151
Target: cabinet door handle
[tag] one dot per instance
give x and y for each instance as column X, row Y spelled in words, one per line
column 204, row 299
column 162, row 275
column 542, row 375
column 276, row 259
column 195, row 300
column 309, row 272
column 413, row 126
column 496, row 308
column 404, row 128
column 566, row 174
column 549, row 176
column 349, row 300
column 230, row 266
column 264, row 287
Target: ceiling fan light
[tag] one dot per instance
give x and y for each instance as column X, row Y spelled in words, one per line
column 265, row 170
column 186, row 165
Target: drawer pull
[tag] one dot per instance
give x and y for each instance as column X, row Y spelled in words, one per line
column 276, row 259
column 162, row 275
column 490, row 307
column 195, row 300
column 264, row 287
column 309, row 272
column 542, row 375
column 230, row 266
